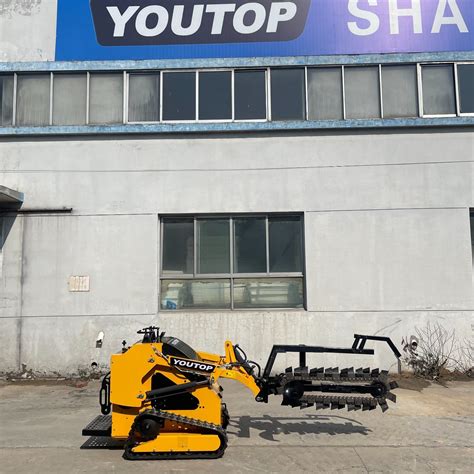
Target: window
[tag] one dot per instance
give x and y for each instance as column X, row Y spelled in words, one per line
column 362, row 92
column 213, row 246
column 250, row 95
column 268, row 293
column 32, row 106
column 232, row 262
column 285, row 244
column 288, row 94
column 318, row 93
column 106, row 98
column 178, row 246
column 325, row 93
column 215, row 95
column 471, row 215
column 399, row 91
column 466, row 88
column 196, row 294
column 69, row 99
column 6, row 100
column 179, row 96
column 250, row 245
column 2, row 242
column 144, row 97
column 438, row 90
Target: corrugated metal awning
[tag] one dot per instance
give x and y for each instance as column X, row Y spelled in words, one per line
column 9, row 198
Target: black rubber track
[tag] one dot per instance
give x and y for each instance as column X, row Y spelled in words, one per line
column 207, row 428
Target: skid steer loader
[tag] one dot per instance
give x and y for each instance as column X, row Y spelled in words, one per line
column 162, row 399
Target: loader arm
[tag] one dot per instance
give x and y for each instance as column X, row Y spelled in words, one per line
column 231, row 368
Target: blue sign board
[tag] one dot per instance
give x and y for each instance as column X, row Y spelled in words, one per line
column 174, row 29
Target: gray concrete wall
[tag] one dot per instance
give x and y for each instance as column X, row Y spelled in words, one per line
column 386, row 230
column 27, row 30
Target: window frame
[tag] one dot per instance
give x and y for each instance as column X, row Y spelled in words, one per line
column 458, row 97
column 13, row 78
column 86, row 105
column 418, row 91
column 231, row 276
column 305, row 93
column 471, row 235
column 88, row 98
column 2, row 242
column 421, row 105
column 342, row 96
column 267, row 95
column 15, row 97
column 377, row 66
column 162, row 72
column 158, row 72
column 232, row 105
column 268, row 106
column 196, row 95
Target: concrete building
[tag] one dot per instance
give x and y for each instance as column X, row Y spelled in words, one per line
column 265, row 198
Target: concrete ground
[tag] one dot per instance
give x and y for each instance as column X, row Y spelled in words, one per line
column 430, row 429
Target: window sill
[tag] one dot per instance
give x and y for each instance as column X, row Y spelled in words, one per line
column 237, row 310
column 199, row 127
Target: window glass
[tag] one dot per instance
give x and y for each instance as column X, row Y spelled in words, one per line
column 250, row 254
column 106, row 98
column 249, row 91
column 178, row 246
column 2, row 239
column 325, row 93
column 69, row 108
column 144, row 97
column 189, row 294
column 466, row 88
column 471, row 215
column 362, row 92
column 33, row 94
column 215, row 95
column 179, row 96
column 288, row 95
column 285, row 241
column 399, row 91
column 268, row 293
column 438, row 90
column 2, row 242
column 6, row 100
column 213, row 246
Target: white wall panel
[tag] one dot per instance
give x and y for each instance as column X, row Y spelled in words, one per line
column 74, row 337
column 118, row 253
column 389, row 260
